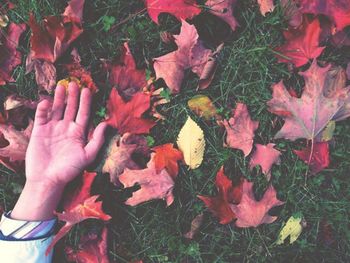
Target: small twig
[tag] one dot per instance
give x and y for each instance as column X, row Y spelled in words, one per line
column 128, row 18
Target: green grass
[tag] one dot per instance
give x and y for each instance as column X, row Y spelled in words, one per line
column 247, row 68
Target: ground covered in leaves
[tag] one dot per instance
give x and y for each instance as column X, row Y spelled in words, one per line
column 247, row 68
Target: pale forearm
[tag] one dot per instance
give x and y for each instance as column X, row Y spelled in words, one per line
column 38, row 201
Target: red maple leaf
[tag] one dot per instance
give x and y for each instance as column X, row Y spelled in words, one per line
column 126, row 66
column 252, row 213
column 240, row 129
column 166, row 156
column 228, row 194
column 181, row 9
column 10, row 56
column 223, row 9
column 316, row 155
column 92, row 249
column 337, row 10
column 127, row 116
column 302, row 43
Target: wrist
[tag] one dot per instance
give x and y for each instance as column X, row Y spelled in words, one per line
column 38, row 201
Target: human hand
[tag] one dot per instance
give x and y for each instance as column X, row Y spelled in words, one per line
column 57, row 151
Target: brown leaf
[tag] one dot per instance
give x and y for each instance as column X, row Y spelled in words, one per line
column 195, row 226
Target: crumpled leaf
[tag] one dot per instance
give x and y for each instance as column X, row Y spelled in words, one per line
column 126, row 66
column 292, row 12
column 228, row 194
column 291, row 229
column 302, row 43
column 195, row 225
column 224, row 10
column 4, row 20
column 240, row 130
column 337, row 10
column 306, row 117
column 58, row 32
column 119, row 155
column 166, row 157
column 10, row 56
column 76, row 70
column 127, row 116
column 316, row 155
column 181, row 9
column 92, row 249
column 79, row 206
column 202, row 106
column 252, row 213
column 13, row 146
column 192, row 144
column 265, row 156
column 326, row 233
column 266, row 6
column 153, row 185
column 191, row 54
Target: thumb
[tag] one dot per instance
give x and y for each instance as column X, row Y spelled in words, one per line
column 94, row 145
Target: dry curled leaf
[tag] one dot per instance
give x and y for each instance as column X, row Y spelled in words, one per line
column 195, row 226
column 202, row 106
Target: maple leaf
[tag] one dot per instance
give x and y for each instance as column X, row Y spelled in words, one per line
column 307, row 116
column 224, row 10
column 153, row 185
column 228, row 194
column 240, row 129
column 10, row 56
column 181, row 9
column 92, row 249
column 88, row 209
column 266, row 6
column 127, row 116
column 191, row 54
column 265, row 156
column 76, row 70
column 337, row 10
column 58, row 32
column 302, row 43
column 252, row 213
column 316, row 155
column 119, row 155
column 13, row 146
column 166, row 156
column 126, row 66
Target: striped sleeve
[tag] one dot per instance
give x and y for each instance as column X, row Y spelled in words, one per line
column 24, row 230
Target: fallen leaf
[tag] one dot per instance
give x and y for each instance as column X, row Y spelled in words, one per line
column 228, row 194
column 240, row 130
column 50, row 41
column 153, row 185
column 13, row 146
column 202, row 106
column 326, row 233
column 337, row 10
column 181, row 9
column 252, row 213
column 126, row 66
column 307, row 117
column 92, row 249
column 291, row 229
column 89, row 208
column 327, row 133
column 166, row 157
column 127, row 116
column 266, row 6
column 265, row 156
column 195, row 225
column 10, row 56
column 301, row 44
column 119, row 155
column 192, row 144
column 191, row 54
column 224, row 10
column 4, row 20
column 316, row 155
column 348, row 71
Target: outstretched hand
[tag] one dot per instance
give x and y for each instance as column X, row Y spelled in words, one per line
column 58, row 151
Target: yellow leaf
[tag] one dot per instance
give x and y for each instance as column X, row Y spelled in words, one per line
column 202, row 106
column 4, row 20
column 65, row 82
column 192, row 144
column 327, row 133
column 292, row 228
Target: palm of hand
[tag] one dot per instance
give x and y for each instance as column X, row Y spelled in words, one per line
column 57, row 151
